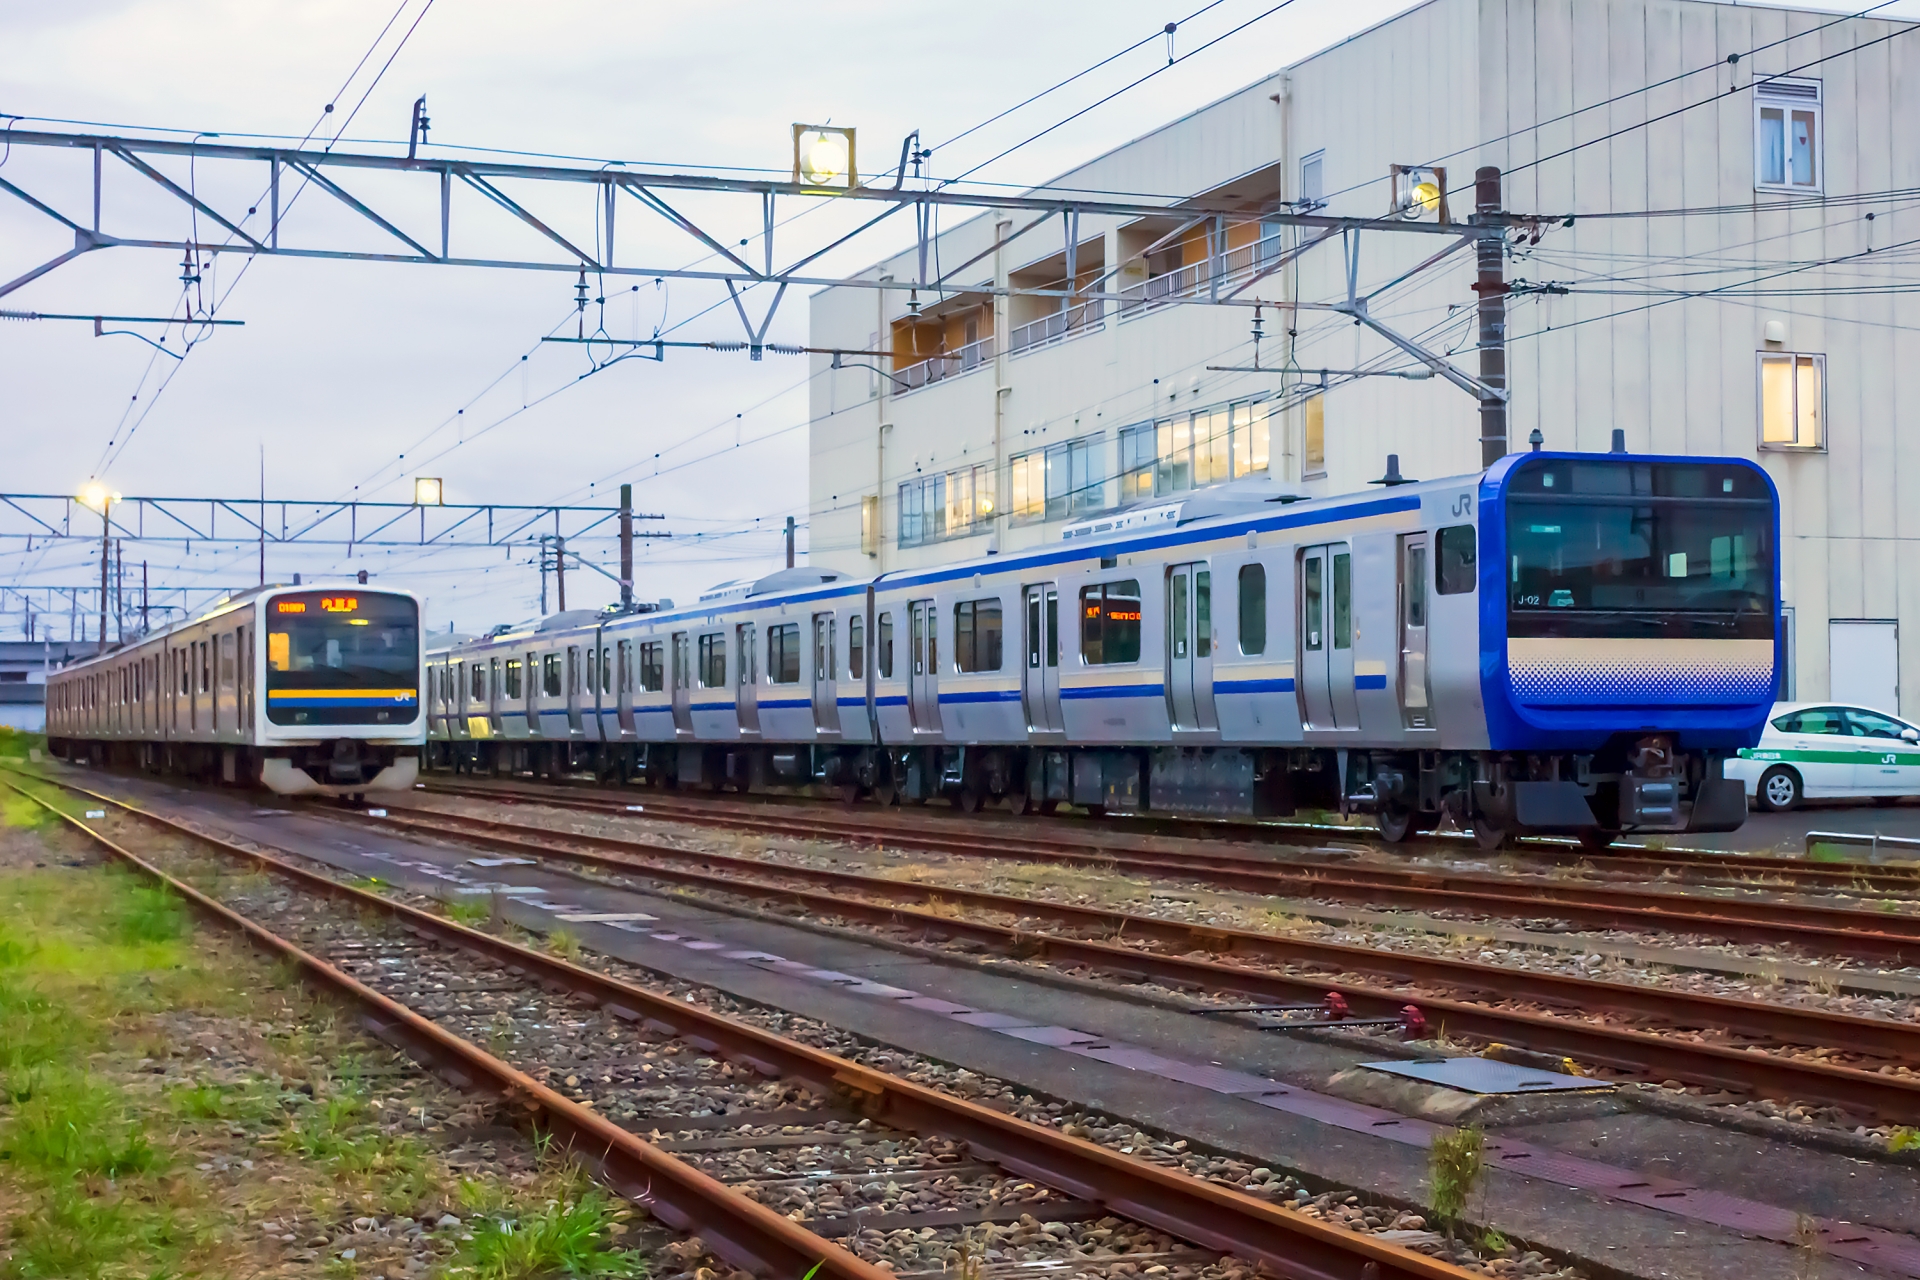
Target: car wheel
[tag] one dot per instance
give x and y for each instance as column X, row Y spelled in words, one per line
column 1779, row 789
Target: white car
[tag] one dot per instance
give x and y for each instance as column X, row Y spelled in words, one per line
column 1819, row 750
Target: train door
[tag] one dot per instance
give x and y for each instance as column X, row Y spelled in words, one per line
column 624, row 673
column 1190, row 648
column 826, row 700
column 682, row 685
column 923, row 682
column 747, row 679
column 494, row 709
column 1416, row 707
column 573, row 689
column 1325, row 675
column 1040, row 684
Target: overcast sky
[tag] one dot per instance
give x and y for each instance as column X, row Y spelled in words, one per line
column 343, row 366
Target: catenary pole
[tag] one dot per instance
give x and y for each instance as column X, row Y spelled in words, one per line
column 1491, row 286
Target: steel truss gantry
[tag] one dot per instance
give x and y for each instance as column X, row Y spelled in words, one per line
column 258, row 229
column 41, row 517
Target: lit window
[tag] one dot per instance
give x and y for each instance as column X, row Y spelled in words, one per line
column 952, row 504
column 1792, row 400
column 1060, row 481
column 1193, row 450
column 1787, row 145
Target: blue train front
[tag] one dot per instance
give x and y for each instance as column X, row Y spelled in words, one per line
column 1566, row 643
column 1629, row 639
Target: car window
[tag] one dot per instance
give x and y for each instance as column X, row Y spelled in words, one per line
column 1814, row 720
column 1871, row 724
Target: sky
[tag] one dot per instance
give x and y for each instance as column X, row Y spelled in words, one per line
column 342, row 367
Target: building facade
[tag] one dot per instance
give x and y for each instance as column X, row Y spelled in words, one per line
column 23, row 678
column 1718, row 261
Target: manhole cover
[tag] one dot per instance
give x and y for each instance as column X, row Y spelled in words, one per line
column 1484, row 1075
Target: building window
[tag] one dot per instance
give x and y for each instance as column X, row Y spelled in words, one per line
column 1792, row 400
column 783, row 653
column 976, row 635
column 1787, row 145
column 1110, row 623
column 713, row 662
column 652, row 668
column 1458, row 565
column 1193, row 450
column 883, row 645
column 1058, row 482
column 1313, row 183
column 952, row 504
column 857, row 648
column 1313, row 450
column 1253, row 608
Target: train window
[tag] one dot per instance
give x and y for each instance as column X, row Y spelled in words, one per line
column 1313, row 603
column 513, row 678
column 479, row 689
column 606, row 669
column 550, row 674
column 856, row 648
column 206, row 667
column 652, row 668
column 1253, row 608
column 883, row 645
column 783, row 653
column 1416, row 586
column 1110, row 623
column 1457, row 568
column 573, row 670
column 976, row 635
column 1343, row 600
column 712, row 670
column 227, row 673
column 1203, row 613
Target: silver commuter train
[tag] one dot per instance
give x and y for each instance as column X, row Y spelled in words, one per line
column 328, row 705
column 1565, row 643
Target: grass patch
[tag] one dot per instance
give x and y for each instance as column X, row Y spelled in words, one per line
column 569, row 1235
column 467, row 912
column 1823, row 851
column 1455, row 1162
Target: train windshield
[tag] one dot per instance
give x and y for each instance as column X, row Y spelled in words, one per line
column 1625, row 549
column 343, row 658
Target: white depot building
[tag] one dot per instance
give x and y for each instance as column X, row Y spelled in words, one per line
column 1737, row 278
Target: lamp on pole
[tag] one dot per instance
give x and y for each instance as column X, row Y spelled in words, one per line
column 100, row 498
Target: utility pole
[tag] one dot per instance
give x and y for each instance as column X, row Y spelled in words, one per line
column 560, row 570
column 543, row 576
column 119, row 591
column 1491, row 286
column 789, row 542
column 626, row 546
column 145, row 625
column 106, row 551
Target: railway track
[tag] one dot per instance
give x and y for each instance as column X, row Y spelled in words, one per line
column 1250, row 964
column 1149, row 833
column 1881, row 936
column 797, row 1167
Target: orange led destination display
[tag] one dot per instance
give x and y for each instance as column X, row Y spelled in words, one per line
column 290, row 606
column 340, row 604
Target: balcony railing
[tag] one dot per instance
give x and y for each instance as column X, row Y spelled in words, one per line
column 941, row 367
column 1222, row 270
column 1084, row 318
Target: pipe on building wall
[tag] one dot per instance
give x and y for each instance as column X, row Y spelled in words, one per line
column 1002, row 316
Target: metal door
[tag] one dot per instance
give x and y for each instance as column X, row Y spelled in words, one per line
column 1040, row 684
column 682, row 685
column 1416, row 707
column 826, row 704
column 573, row 674
column 1190, row 647
column 923, row 683
column 623, row 660
column 1325, row 676
column 747, row 679
column 494, row 697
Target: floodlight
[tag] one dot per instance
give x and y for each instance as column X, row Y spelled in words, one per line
column 823, row 157
column 1419, row 193
column 97, row 496
column 428, row 491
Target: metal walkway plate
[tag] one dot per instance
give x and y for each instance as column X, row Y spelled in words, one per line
column 1485, row 1075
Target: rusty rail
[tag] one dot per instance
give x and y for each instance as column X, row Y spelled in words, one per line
column 1624, row 1049
column 1212, row 1216
column 1879, row 936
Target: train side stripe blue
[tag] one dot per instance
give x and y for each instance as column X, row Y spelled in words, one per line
column 1283, row 684
column 1369, row 682
column 1113, row 691
column 982, row 695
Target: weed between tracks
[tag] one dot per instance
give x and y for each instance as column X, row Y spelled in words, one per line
column 172, row 1105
